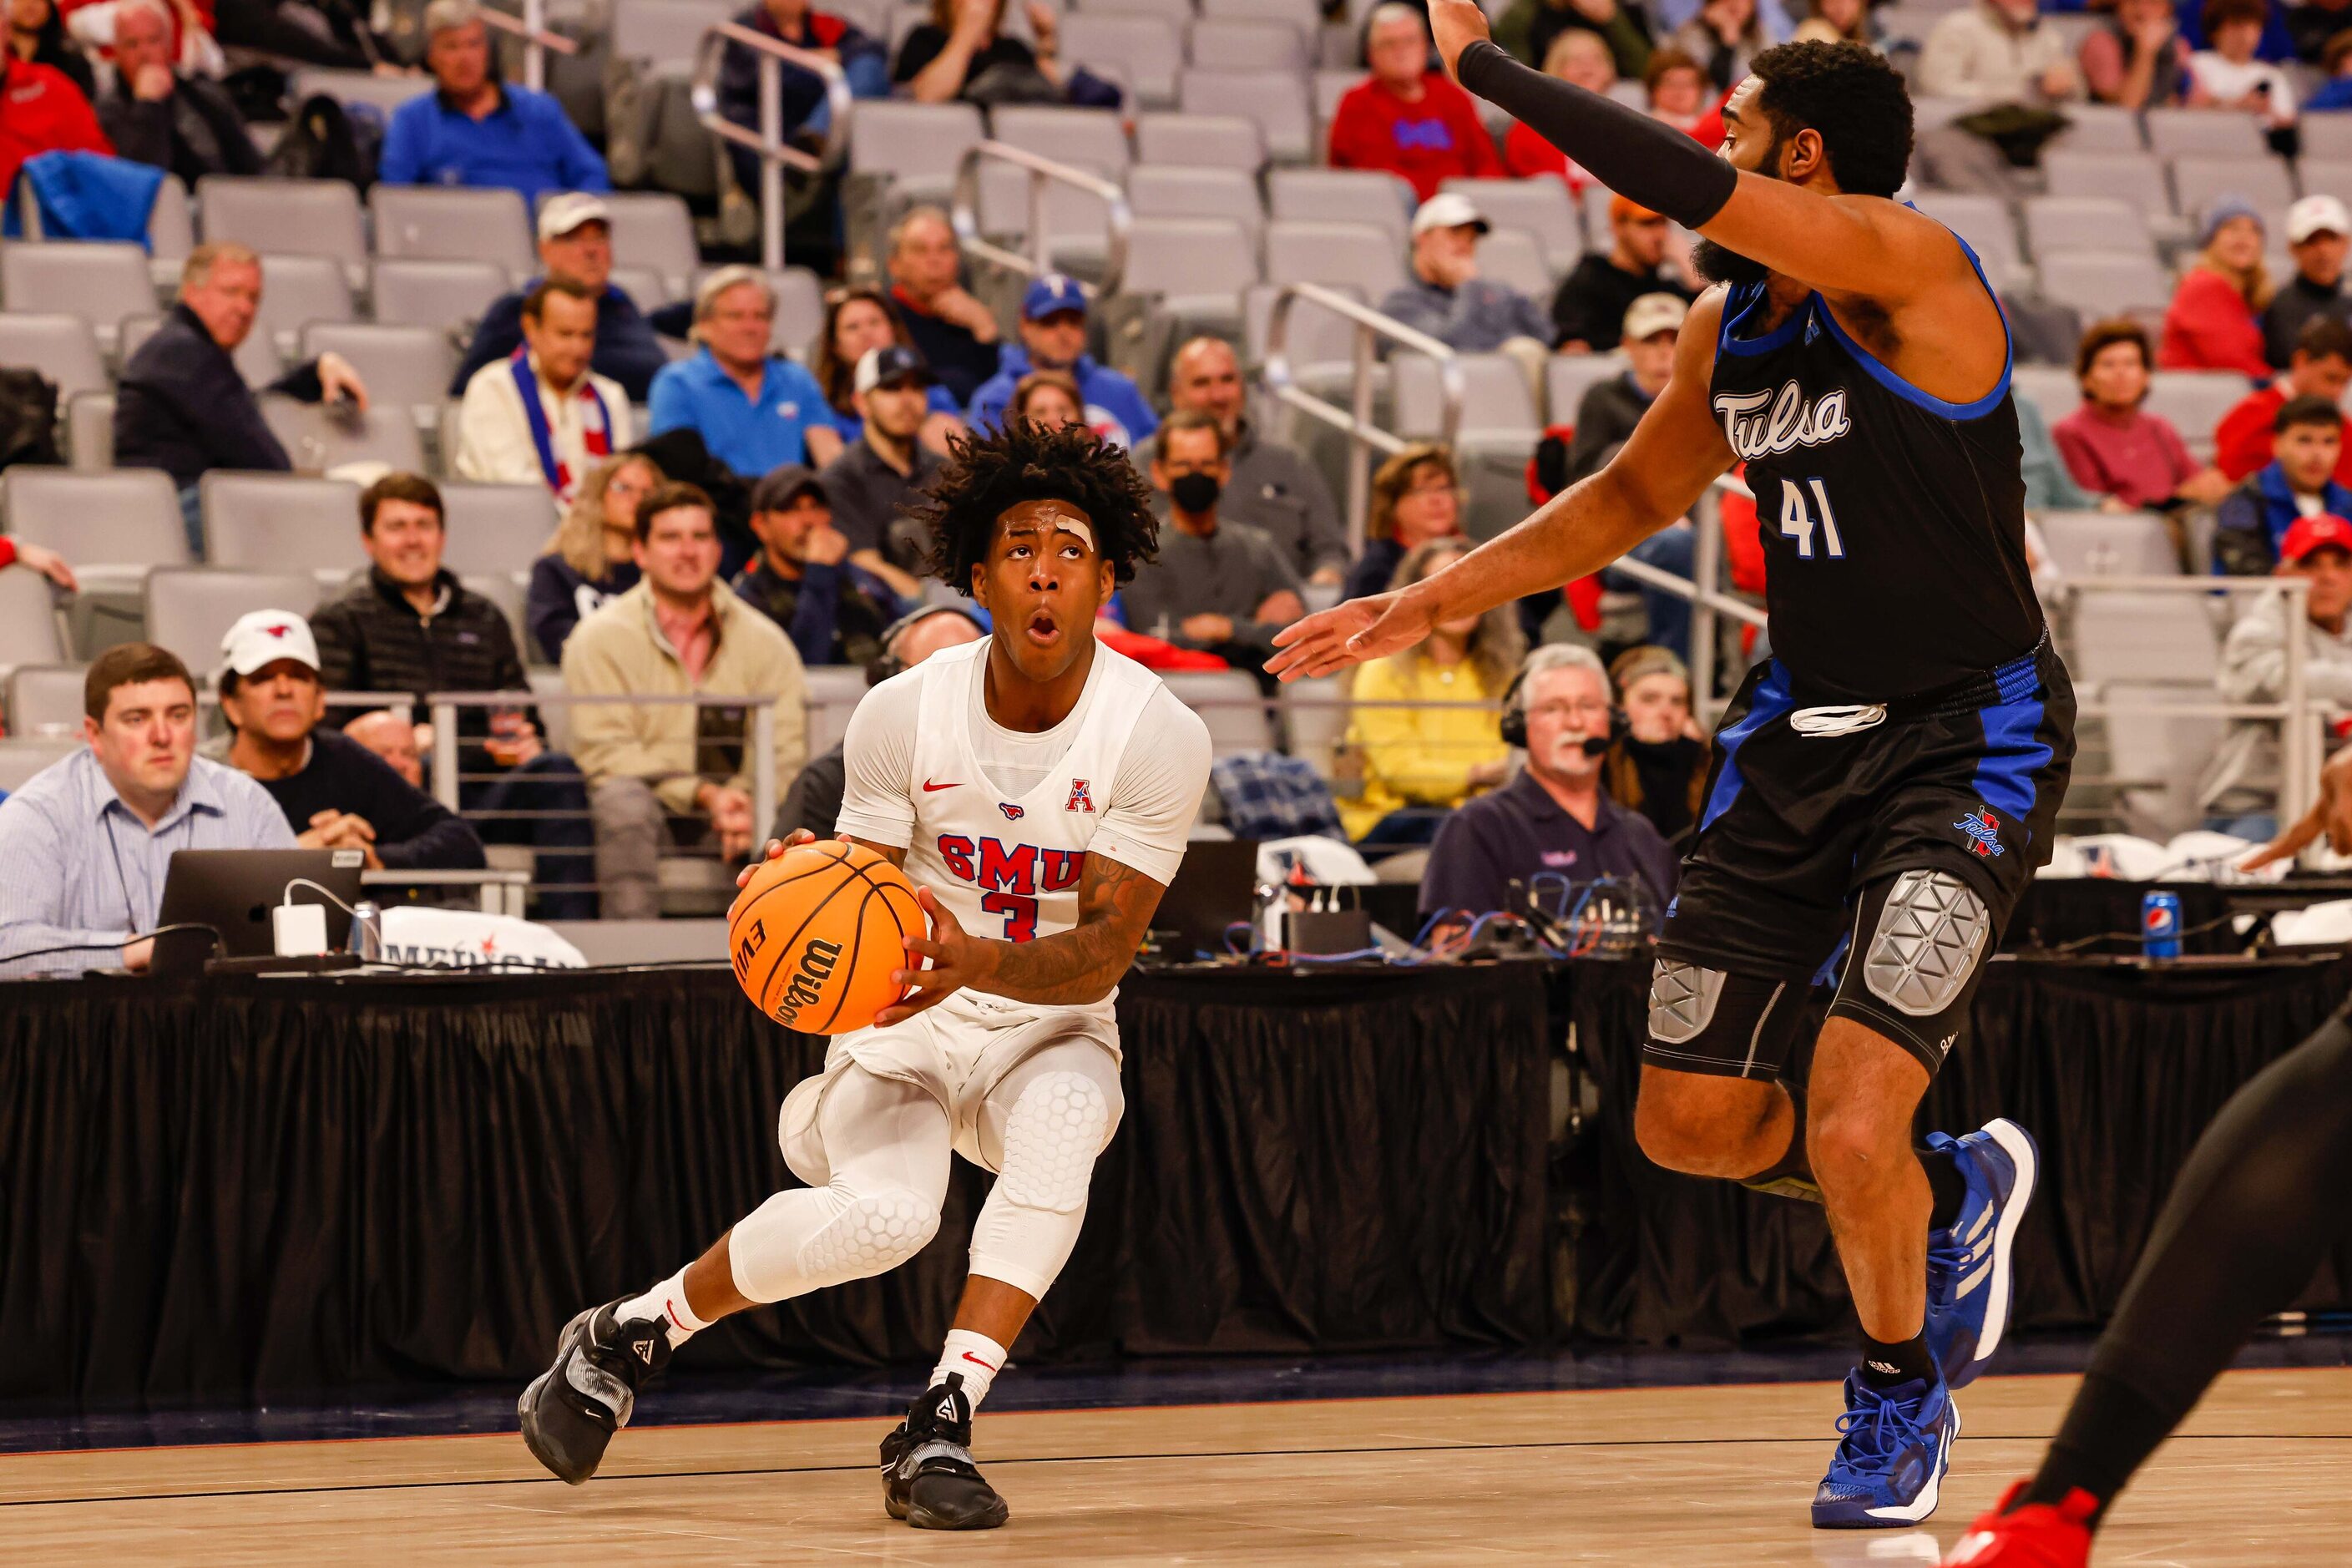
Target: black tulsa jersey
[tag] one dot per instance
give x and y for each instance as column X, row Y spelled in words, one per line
column 1893, row 522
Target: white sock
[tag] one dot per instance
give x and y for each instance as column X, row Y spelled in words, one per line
column 976, row 1356
column 666, row 1301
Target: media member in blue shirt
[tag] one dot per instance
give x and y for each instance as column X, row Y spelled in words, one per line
column 477, row 130
column 755, row 411
column 1053, row 337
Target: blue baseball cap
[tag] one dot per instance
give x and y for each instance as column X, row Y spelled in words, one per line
column 1052, row 294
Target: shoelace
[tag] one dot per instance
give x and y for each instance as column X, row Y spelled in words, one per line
column 1874, row 1429
column 1845, row 720
column 1946, row 1258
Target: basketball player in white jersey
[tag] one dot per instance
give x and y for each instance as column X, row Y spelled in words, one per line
column 1038, row 789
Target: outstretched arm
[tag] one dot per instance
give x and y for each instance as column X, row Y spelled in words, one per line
column 1071, row 969
column 1673, row 454
column 1840, row 244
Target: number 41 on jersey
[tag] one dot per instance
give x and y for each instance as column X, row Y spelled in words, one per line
column 1797, row 521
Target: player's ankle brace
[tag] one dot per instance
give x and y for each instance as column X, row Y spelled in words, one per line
column 1791, row 1175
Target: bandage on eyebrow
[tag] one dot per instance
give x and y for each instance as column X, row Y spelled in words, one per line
column 1057, row 515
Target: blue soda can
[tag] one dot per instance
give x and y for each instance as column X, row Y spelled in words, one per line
column 2160, row 925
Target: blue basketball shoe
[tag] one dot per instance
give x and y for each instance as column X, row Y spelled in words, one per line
column 1969, row 1286
column 1891, row 1453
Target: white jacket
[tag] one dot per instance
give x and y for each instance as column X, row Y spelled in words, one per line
column 494, row 444
column 2253, row 669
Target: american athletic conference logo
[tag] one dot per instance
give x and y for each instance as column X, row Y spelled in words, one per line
column 1983, row 829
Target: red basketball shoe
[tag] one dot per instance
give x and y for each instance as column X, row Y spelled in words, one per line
column 2035, row 1536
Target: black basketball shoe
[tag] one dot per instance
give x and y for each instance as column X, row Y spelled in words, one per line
column 928, row 1476
column 570, row 1412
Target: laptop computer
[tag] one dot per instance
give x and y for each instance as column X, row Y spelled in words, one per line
column 233, row 891
column 1215, row 886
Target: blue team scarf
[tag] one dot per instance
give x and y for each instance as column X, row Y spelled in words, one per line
column 597, row 437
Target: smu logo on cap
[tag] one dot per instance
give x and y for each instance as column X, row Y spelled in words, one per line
column 280, row 630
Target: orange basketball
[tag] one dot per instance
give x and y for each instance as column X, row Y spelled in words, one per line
column 816, row 933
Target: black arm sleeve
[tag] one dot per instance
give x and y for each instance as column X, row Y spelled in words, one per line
column 1642, row 159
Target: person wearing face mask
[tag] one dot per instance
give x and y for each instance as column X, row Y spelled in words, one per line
column 1554, row 816
column 1222, row 587
column 1656, row 764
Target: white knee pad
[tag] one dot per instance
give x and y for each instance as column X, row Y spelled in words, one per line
column 805, row 1240
column 1057, row 1127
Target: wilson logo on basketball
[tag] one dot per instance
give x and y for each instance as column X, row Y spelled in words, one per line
column 817, row 968
column 749, row 948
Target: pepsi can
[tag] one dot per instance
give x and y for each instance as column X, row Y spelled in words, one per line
column 2160, row 925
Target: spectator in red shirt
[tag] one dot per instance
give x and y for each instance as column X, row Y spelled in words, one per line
column 1407, row 118
column 2321, row 366
column 2112, row 447
column 41, row 111
column 1578, row 57
column 2213, row 322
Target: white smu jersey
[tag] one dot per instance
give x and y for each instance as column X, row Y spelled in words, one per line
column 1123, row 774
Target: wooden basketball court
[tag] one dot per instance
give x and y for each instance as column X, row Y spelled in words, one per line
column 1697, row 1475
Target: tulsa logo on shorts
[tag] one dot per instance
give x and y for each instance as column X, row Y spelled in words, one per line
column 1984, row 829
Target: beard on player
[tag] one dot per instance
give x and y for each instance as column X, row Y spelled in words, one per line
column 1719, row 264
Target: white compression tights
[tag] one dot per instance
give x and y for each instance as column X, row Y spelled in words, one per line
column 889, row 1145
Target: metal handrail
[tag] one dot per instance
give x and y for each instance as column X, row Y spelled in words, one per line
column 776, row 154
column 1355, row 421
column 963, row 213
column 537, row 42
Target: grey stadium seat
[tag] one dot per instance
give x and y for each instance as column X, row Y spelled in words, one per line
column 651, row 230
column 1342, row 196
column 2328, row 137
column 444, row 223
column 1542, row 208
column 297, row 290
column 100, row 282
column 190, row 608
column 648, row 289
column 1305, row 16
column 1238, row 44
column 1272, row 99
column 2163, row 753
column 126, row 518
column 2049, row 387
column 1188, row 257
column 2144, row 638
column 89, row 432
column 2134, row 178
column 2201, row 133
column 2097, row 128
column 63, row 347
column 1359, row 253
column 2096, row 284
column 384, row 93
column 508, row 591
column 1144, row 50
column 318, row 439
column 2056, row 224
column 30, row 633
column 1495, row 406
column 436, row 293
column 409, row 365
column 833, row 692
column 1201, row 141
column 919, row 141
column 1090, row 138
column 496, row 528
column 2327, row 176
column 257, row 359
column 800, row 309
column 285, row 218
column 2198, row 183
column 664, row 31
column 1317, row 336
column 1510, row 257
column 281, row 522
column 1330, row 86
column 44, row 696
column 1174, row 10
column 1078, row 221
column 20, row 759
column 1568, row 377
column 1156, row 190
column 2194, row 402
column 1229, row 702
column 1985, row 224
column 171, row 224
column 2101, row 544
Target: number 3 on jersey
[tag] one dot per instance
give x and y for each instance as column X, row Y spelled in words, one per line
column 1020, row 914
column 1798, row 523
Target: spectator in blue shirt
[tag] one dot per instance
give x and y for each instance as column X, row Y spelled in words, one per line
column 575, row 245
column 755, row 411
column 477, row 130
column 1053, row 337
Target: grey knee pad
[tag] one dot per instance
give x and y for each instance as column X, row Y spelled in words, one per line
column 1682, row 999
column 1932, row 933
column 1057, row 1127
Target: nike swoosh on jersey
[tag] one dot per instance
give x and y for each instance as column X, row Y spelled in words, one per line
column 929, row 787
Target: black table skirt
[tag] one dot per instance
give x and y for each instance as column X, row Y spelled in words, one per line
column 259, row 1187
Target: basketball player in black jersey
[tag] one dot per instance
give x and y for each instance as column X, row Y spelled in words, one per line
column 1886, row 785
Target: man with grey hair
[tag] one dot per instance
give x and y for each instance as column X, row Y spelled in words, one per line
column 156, row 114
column 576, row 244
column 957, row 334
column 755, row 410
column 1406, row 118
column 475, row 129
column 1552, row 819
column 182, row 405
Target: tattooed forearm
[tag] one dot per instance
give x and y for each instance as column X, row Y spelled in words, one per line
column 1081, row 964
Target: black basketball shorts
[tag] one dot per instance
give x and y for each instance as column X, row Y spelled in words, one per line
column 1883, row 852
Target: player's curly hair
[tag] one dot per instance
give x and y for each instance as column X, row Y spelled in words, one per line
column 1853, row 97
column 986, row 476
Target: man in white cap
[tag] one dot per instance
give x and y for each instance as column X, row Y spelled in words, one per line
column 475, row 129
column 575, row 243
column 1446, row 297
column 2318, row 232
column 335, row 792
